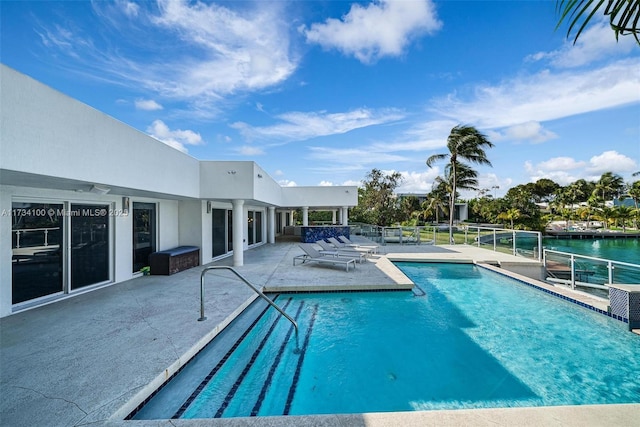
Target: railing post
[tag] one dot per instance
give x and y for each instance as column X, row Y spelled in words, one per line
column 478, row 236
column 610, row 267
column 513, row 241
column 46, row 237
column 539, row 245
column 17, row 238
column 202, row 316
column 494, row 240
column 573, row 272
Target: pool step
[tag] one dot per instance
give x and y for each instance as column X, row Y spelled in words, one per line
column 259, row 375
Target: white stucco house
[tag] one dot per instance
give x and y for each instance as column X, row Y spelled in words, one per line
column 85, row 199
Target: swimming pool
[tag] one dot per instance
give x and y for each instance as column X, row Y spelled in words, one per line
column 476, row 339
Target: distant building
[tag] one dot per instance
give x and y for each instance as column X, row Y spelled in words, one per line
column 627, row 201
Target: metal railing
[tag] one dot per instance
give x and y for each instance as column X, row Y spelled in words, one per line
column 588, row 272
column 256, row 290
column 516, row 242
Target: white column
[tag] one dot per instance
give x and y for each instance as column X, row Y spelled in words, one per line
column 291, row 220
column 305, row 216
column 345, row 215
column 271, row 227
column 238, row 223
column 333, row 216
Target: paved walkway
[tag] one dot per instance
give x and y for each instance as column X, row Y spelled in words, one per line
column 84, row 360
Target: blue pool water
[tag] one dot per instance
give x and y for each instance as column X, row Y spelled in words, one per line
column 475, row 340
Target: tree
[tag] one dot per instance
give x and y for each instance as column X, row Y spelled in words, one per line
column 408, row 207
column 608, row 186
column 633, row 192
column 510, row 215
column 623, row 213
column 377, row 203
column 465, row 143
column 624, row 15
column 544, row 189
column 436, row 203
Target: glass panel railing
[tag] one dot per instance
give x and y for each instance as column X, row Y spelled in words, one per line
column 588, row 274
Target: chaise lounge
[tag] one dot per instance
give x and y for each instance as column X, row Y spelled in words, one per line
column 349, row 243
column 339, row 245
column 312, row 255
column 328, row 249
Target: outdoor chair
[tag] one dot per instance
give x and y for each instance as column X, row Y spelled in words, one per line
column 349, row 243
column 339, row 252
column 312, row 255
column 339, row 245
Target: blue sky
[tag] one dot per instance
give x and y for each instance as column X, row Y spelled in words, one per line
column 321, row 92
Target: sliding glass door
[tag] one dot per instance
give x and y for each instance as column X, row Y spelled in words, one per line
column 89, row 245
column 221, row 231
column 144, row 233
column 37, row 234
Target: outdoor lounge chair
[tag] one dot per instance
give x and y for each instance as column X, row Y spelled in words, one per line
column 312, row 255
column 347, row 252
column 339, row 245
column 349, row 243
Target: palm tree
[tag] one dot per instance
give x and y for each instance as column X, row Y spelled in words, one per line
column 465, row 143
column 623, row 213
column 436, row 202
column 510, row 214
column 609, row 185
column 634, row 193
column 623, row 15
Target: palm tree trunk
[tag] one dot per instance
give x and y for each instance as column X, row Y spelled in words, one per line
column 452, row 203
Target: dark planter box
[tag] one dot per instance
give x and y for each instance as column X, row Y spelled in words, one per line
column 174, row 260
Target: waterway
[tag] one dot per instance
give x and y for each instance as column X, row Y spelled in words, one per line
column 625, row 250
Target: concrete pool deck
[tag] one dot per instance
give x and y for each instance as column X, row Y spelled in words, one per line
column 87, row 359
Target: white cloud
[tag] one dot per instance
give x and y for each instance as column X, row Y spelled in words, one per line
column 531, row 131
column 147, row 105
column 325, row 184
column 545, row 96
column 298, row 126
column 175, row 138
column 287, row 183
column 195, row 52
column 561, row 164
column 566, row 170
column 129, row 8
column 382, row 28
column 595, row 43
column 278, row 173
column 611, row 161
column 248, row 150
column 359, row 155
column 417, row 182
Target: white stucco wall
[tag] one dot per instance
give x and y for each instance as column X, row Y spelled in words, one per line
column 168, row 224
column 320, row 196
column 5, row 251
column 226, row 180
column 47, row 133
column 190, row 224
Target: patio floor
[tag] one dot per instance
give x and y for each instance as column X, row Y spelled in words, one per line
column 82, row 360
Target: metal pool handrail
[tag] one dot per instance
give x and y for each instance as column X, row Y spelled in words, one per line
column 256, row 290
